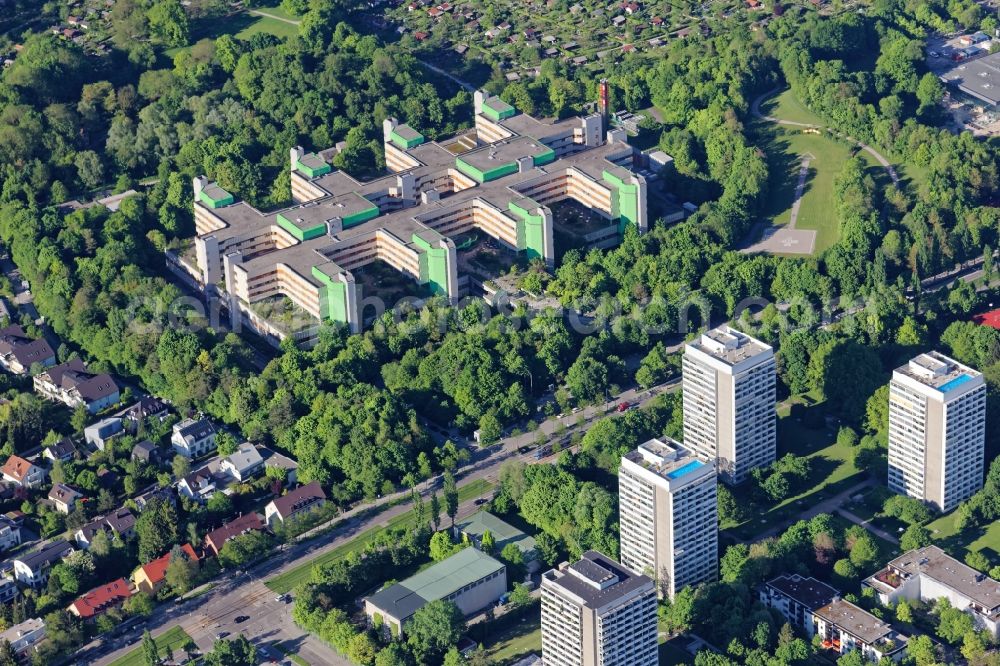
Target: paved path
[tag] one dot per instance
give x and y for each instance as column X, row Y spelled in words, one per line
column 258, row 12
column 800, row 188
column 867, row 524
column 755, row 110
column 829, row 505
column 448, row 75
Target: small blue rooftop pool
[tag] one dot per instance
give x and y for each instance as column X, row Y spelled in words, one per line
column 954, row 383
column 686, row 469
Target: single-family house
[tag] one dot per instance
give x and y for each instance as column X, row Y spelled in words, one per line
column 10, row 533
column 297, row 502
column 216, row 539
column 102, row 432
column 120, row 523
column 101, row 599
column 150, row 577
column 18, row 352
column 64, row 450
column 193, row 438
column 8, row 590
column 274, row 459
column 155, row 493
column 22, row 473
column 147, row 452
column 24, row 637
column 64, row 498
column 145, row 409
column 32, row 569
column 244, row 463
column 199, row 485
column 73, row 385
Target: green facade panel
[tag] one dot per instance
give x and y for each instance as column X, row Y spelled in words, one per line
column 624, row 201
column 530, row 228
column 544, row 158
column 299, row 233
column 332, row 297
column 433, row 266
column 485, row 176
column 496, row 109
column 405, row 143
column 317, row 169
column 360, row 216
column 222, row 199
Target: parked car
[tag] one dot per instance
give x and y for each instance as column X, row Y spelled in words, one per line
column 623, row 406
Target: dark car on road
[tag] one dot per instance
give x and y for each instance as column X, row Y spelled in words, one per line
column 240, row 619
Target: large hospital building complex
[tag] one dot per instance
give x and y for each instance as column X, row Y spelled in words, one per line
column 497, row 181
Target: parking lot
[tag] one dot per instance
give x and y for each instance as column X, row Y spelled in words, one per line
column 964, row 64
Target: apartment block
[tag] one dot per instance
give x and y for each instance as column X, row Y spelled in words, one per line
column 668, row 515
column 929, row 574
column 817, row 609
column 729, row 402
column 937, row 430
column 597, row 612
column 496, row 181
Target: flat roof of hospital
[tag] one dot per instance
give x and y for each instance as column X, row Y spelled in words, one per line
column 504, row 152
column 347, row 195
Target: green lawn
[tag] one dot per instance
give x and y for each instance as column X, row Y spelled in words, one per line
column 289, row 580
column 291, row 655
column 242, row 25
column 672, row 654
column 985, row 538
column 787, row 106
column 276, row 10
column 517, row 641
column 802, row 431
column 174, row 638
column 785, row 147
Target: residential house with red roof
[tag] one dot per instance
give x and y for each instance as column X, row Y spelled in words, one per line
column 22, row 473
column 101, row 599
column 216, row 539
column 150, row 577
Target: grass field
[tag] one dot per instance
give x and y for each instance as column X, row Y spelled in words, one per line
column 832, row 469
column 786, row 106
column 785, row 146
column 173, row 638
column 242, row 25
column 289, row 580
column 984, row 539
column 672, row 654
column 517, row 641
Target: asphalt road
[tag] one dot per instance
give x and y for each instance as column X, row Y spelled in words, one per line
column 215, row 611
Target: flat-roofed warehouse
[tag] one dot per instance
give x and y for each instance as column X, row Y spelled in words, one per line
column 470, row 579
column 979, row 78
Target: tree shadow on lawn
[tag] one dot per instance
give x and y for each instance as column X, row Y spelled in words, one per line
column 959, row 542
column 783, row 514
